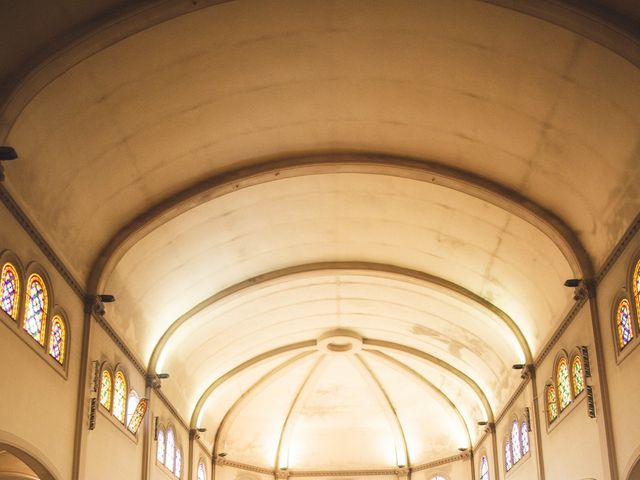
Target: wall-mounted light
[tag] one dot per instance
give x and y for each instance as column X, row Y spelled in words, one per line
column 107, row 298
column 222, row 454
column 518, row 366
column 483, row 423
column 572, row 282
column 162, row 376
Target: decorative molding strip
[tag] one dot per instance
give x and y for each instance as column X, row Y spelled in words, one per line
column 512, row 399
column 39, row 240
column 560, row 330
column 342, row 473
column 222, row 462
column 442, row 461
column 171, row 409
column 615, row 254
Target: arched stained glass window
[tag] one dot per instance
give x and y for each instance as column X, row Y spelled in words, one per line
column 160, row 447
column 507, row 455
column 57, row 339
column 120, row 396
column 106, row 386
column 524, row 436
column 10, row 290
column 484, row 468
column 635, row 280
column 577, row 375
column 202, row 473
column 438, row 477
column 35, row 317
column 515, row 442
column 623, row 323
column 178, row 468
column 563, row 383
column 132, row 403
column 552, row 403
column 138, row 415
column 170, row 451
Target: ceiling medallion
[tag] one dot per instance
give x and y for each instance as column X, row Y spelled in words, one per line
column 340, row 342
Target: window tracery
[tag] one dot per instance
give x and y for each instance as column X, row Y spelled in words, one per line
column 138, row 414
column 563, row 383
column 524, row 435
column 624, row 325
column 507, row 455
column 160, row 446
column 106, row 386
column 577, row 375
column 635, row 286
column 119, row 408
column 552, row 403
column 170, row 451
column 58, row 339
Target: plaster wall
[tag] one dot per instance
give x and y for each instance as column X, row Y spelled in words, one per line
column 44, row 421
column 231, row 473
column 166, row 419
column 125, row 449
column 621, row 369
column 573, row 444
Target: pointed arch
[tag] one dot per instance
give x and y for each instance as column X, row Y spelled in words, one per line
column 137, row 416
column 577, row 375
column 37, row 306
column 624, row 325
column 10, row 290
column 119, row 402
column 106, row 388
column 58, row 339
column 160, row 445
column 563, row 382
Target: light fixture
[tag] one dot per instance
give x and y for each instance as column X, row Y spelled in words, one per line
column 572, row 282
column 222, row 454
column 7, row 153
column 462, row 449
column 401, row 466
column 163, row 376
column 202, row 430
column 518, row 366
column 483, row 423
column 107, row 298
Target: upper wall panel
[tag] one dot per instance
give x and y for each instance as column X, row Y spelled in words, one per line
column 466, row 84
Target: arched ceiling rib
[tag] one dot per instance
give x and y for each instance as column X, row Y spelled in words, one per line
column 352, row 267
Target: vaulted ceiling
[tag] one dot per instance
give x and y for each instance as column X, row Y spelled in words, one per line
column 329, row 220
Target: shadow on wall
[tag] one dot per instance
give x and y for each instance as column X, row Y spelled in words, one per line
column 635, row 471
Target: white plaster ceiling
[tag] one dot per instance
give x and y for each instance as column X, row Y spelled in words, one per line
column 521, row 110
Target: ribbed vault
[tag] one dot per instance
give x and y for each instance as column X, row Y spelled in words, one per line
column 247, row 176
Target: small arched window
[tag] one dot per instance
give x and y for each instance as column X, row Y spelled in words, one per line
column 484, row 468
column 10, row 290
column 515, row 442
column 132, row 403
column 577, row 375
column 106, row 388
column 138, row 415
column 552, row 403
column 202, row 472
column 160, row 446
column 438, row 477
column 35, row 317
column 170, row 451
column 178, row 466
column 507, row 455
column 623, row 324
column 58, row 339
column 120, row 396
column 524, row 437
column 563, row 383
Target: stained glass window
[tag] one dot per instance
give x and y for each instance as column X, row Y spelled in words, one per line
column 524, row 435
column 106, row 385
column 138, row 415
column 170, row 449
column 178, row 469
column 552, row 403
column 515, row 442
column 202, row 473
column 484, row 468
column 132, row 403
column 160, row 449
column 563, row 383
column 57, row 339
column 120, row 396
column 37, row 304
column 507, row 455
column 623, row 322
column 577, row 375
column 636, row 288
column 10, row 290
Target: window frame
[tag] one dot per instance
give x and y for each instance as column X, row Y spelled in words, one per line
column 623, row 353
column 8, row 257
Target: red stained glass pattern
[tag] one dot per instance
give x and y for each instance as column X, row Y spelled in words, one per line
column 57, row 339
column 10, row 291
column 577, row 375
column 552, row 404
column 37, row 304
